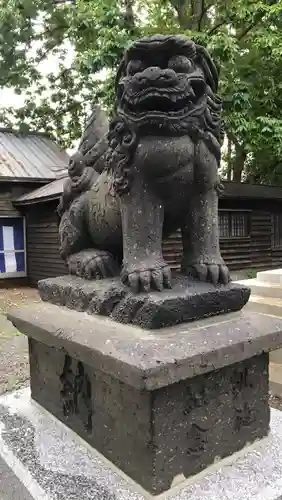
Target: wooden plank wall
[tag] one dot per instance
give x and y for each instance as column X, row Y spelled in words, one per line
column 237, row 255
column 254, row 251
column 8, row 192
column 261, row 251
column 172, row 250
column 43, row 258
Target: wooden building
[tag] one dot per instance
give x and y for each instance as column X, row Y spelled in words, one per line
column 27, row 161
column 250, row 218
column 39, row 208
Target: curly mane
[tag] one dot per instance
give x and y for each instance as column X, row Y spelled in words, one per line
column 122, row 146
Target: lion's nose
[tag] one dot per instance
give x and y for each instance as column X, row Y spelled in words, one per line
column 157, row 77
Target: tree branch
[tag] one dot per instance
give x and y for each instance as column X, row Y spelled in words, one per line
column 244, row 32
column 39, row 59
column 216, row 27
column 234, row 139
column 257, row 18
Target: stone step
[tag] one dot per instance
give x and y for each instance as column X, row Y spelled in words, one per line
column 265, row 305
column 272, row 276
column 268, row 305
column 263, row 289
column 275, row 376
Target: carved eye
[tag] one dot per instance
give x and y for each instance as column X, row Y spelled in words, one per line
column 180, row 64
column 134, row 67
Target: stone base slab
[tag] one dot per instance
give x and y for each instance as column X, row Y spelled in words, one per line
column 53, row 462
column 187, row 300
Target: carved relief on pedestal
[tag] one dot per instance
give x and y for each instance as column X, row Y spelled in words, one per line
column 245, row 414
column 197, row 437
column 76, row 392
column 220, row 404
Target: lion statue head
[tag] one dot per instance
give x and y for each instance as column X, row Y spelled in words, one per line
column 169, row 82
column 165, row 85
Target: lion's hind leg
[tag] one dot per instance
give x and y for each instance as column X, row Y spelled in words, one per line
column 76, row 246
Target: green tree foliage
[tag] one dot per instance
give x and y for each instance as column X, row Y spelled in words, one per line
column 244, row 36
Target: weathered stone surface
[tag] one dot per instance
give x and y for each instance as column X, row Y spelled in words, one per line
column 188, row 300
column 155, row 436
column 158, row 167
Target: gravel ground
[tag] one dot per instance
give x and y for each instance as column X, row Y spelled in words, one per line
column 275, row 402
column 14, row 368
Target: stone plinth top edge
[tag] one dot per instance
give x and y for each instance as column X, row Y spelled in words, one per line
column 150, row 359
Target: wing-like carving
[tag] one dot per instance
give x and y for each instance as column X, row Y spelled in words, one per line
column 96, row 129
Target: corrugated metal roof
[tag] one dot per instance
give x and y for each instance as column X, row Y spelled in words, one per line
column 53, row 190
column 30, row 157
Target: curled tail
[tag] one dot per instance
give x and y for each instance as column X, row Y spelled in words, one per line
column 89, row 160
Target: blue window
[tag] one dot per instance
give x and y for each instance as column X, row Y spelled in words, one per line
column 12, row 247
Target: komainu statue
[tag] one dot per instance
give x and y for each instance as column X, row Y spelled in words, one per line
column 154, row 170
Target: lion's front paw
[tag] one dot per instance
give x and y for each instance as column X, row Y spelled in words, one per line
column 146, row 275
column 93, row 264
column 215, row 273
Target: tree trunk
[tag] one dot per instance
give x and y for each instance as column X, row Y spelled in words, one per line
column 197, row 11
column 129, row 15
column 239, row 164
column 182, row 9
column 191, row 14
column 229, row 160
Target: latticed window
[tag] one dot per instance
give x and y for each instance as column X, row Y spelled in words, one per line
column 234, row 224
column 277, row 231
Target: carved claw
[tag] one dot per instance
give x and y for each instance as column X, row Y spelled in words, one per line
column 214, row 273
column 93, row 264
column 145, row 276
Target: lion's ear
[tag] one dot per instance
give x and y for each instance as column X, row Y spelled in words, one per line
column 211, row 70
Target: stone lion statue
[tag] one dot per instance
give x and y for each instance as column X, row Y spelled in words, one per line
column 154, row 170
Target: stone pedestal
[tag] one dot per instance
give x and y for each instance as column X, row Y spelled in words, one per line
column 161, row 405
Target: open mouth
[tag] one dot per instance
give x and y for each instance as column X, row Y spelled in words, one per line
column 155, row 101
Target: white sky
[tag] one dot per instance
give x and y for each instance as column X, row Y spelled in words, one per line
column 49, row 65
